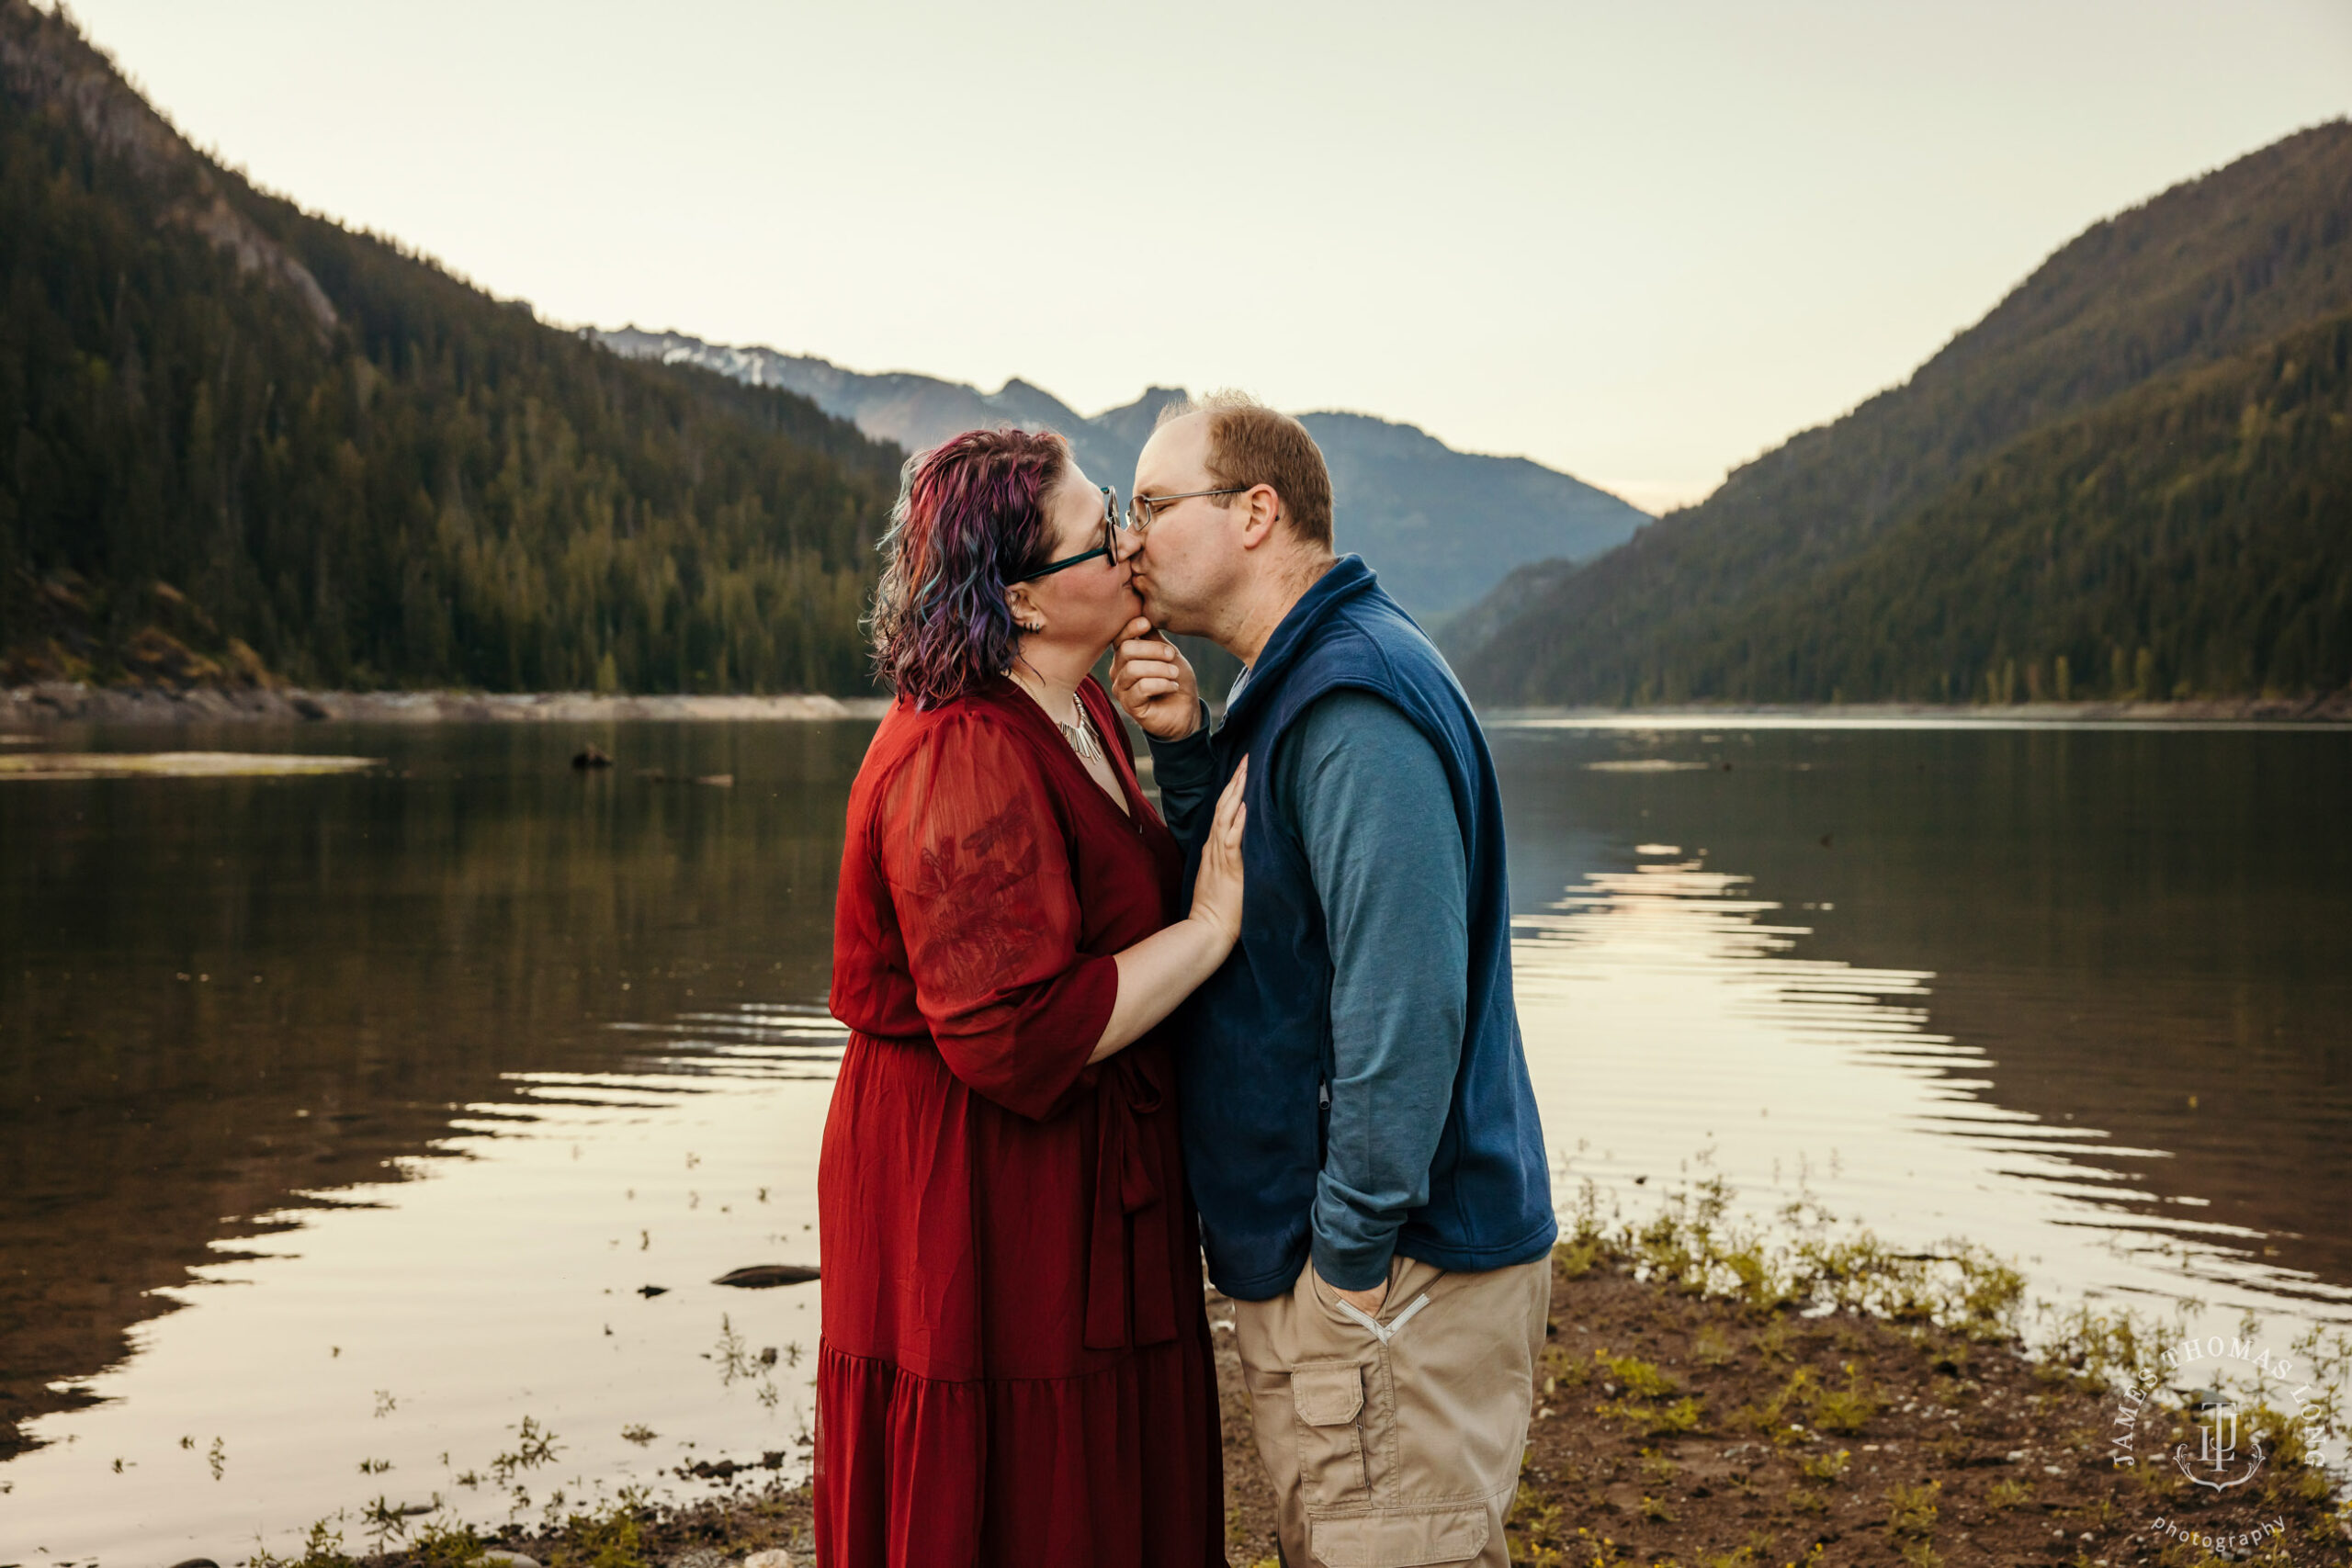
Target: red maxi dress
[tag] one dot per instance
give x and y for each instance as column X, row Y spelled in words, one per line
column 1014, row 1367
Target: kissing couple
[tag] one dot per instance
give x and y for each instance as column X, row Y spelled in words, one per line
column 1270, row 1020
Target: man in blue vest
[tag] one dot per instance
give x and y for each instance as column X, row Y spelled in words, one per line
column 1359, row 1129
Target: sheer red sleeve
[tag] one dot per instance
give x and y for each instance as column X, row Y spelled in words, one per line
column 968, row 837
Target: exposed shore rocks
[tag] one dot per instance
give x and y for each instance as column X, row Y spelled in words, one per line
column 68, row 702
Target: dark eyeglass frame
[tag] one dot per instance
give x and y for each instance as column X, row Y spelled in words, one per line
column 1141, row 512
column 1108, row 546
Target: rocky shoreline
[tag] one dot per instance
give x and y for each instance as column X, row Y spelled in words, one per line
column 1709, row 1399
column 56, row 702
column 2333, row 708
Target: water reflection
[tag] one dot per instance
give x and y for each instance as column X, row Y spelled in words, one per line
column 410, row 1086
column 1674, row 1028
column 552, row 1258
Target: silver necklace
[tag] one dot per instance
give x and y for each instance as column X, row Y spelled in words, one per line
column 1081, row 735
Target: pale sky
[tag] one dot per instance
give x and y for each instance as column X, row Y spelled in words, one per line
column 1639, row 243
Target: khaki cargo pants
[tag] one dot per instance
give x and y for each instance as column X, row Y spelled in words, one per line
column 1396, row 1442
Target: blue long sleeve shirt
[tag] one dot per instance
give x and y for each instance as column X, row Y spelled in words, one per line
column 1366, row 795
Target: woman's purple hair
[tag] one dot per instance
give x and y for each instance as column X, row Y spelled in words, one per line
column 971, row 514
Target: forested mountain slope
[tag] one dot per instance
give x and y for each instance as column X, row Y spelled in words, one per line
column 1725, row 600
column 242, row 439
column 2193, row 537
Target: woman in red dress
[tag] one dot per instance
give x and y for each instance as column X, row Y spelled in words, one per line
column 1016, row 1366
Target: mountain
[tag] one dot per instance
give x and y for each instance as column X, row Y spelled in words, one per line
column 2068, row 478
column 1440, row 527
column 246, row 442
column 2187, row 539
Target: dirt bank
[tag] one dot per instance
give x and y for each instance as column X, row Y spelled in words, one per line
column 35, row 708
column 57, row 703
column 2335, row 708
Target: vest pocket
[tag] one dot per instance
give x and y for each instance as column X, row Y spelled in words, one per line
column 1328, row 1398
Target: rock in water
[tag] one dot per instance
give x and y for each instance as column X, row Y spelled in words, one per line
column 762, row 1276
column 590, row 756
column 197, row 1563
column 649, row 1291
column 773, row 1557
column 499, row 1558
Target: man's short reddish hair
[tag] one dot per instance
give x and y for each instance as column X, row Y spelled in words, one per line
column 1250, row 443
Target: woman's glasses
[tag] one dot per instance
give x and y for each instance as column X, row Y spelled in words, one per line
column 1109, row 547
column 1141, row 513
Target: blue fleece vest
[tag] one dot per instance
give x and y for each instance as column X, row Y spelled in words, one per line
column 1257, row 1057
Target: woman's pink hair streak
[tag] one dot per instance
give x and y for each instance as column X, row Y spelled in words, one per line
column 971, row 514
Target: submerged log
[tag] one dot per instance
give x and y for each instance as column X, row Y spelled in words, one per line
column 764, row 1276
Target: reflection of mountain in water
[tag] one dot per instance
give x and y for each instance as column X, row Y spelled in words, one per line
column 559, row 1253
column 2116, row 923
column 227, row 1000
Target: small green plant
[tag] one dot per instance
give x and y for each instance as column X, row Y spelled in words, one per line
column 1824, row 1467
column 533, row 1446
column 1685, row 1414
column 1804, row 1500
column 1659, row 1469
column 1777, row 1418
column 2006, row 1495
column 733, row 1353
column 1564, row 1369
column 1709, row 1348
column 609, row 1537
column 638, row 1432
column 1848, row 1410
column 323, row 1548
column 1657, row 1513
column 453, row 1545
column 1640, row 1378
column 1539, row 1521
column 386, row 1521
column 1911, row 1510
column 1580, row 1256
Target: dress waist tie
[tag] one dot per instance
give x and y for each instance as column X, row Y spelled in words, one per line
column 1130, row 1298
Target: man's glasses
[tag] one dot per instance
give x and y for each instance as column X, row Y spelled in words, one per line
column 1141, row 511
column 1144, row 508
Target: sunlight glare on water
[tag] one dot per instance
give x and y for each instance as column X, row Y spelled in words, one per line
column 1674, row 1034
column 409, row 1327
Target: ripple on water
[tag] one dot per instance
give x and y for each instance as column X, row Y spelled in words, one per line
column 1672, row 1030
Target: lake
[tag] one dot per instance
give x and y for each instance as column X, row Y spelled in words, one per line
column 350, row 1122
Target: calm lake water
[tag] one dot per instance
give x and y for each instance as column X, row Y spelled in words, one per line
column 346, row 1120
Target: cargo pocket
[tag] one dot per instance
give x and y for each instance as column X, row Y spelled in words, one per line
column 1328, row 1397
column 1400, row 1540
